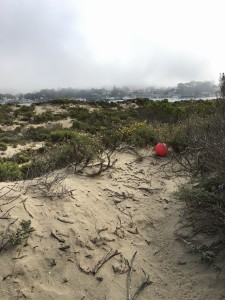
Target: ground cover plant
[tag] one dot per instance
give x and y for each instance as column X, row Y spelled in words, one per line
column 194, row 130
column 204, row 195
column 137, row 123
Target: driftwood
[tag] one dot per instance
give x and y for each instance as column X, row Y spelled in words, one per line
column 30, row 215
column 64, row 220
column 57, row 238
column 5, row 217
column 64, row 248
column 143, row 284
column 100, row 263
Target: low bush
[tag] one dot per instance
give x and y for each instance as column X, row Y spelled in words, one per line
column 10, row 171
column 48, row 117
column 78, row 150
column 62, row 134
column 204, row 206
column 25, row 113
column 21, row 157
column 138, row 134
column 40, row 133
column 3, row 146
column 204, row 195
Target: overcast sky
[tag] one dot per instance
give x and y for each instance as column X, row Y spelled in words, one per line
column 99, row 43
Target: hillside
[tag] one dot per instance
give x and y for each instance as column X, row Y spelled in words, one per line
column 80, row 220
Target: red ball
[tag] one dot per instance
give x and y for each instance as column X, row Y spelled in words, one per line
column 161, row 149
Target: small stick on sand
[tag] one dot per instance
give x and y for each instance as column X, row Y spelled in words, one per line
column 100, row 263
column 65, row 221
column 144, row 283
column 30, row 215
column 3, row 216
column 57, row 238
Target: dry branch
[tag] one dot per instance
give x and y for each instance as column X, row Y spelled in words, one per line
column 130, row 270
column 3, row 216
column 144, row 283
column 57, row 238
column 100, row 263
column 27, row 209
column 64, row 220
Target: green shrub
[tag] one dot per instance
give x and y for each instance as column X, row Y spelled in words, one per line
column 10, row 171
column 111, row 138
column 138, row 134
column 48, row 117
column 22, row 233
column 3, row 146
column 9, row 140
column 43, row 117
column 77, row 150
column 25, row 113
column 175, row 136
column 80, row 113
column 204, row 206
column 81, row 126
column 38, row 134
column 21, row 158
column 63, row 134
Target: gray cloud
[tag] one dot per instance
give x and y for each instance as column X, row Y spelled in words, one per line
column 42, row 45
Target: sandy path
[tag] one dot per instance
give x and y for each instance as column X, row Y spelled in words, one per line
column 130, row 208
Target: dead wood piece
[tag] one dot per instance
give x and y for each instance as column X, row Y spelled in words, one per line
column 86, row 271
column 144, row 283
column 130, row 270
column 133, row 231
column 19, row 257
column 119, row 232
column 65, row 221
column 220, row 270
column 7, row 276
column 100, row 263
column 98, row 241
column 13, row 199
column 30, row 215
column 57, row 238
column 122, row 210
column 102, row 229
column 3, row 216
column 107, row 239
column 116, row 201
column 120, row 269
column 149, row 190
column 64, row 248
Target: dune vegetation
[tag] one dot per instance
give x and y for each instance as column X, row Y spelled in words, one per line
column 80, row 136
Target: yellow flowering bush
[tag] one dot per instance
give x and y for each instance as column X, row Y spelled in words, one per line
column 139, row 134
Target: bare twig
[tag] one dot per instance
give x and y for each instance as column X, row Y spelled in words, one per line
column 130, row 270
column 64, row 220
column 57, row 238
column 100, row 263
column 220, row 270
column 26, row 209
column 3, row 216
column 144, row 283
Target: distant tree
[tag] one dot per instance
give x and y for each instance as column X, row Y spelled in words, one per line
column 222, row 85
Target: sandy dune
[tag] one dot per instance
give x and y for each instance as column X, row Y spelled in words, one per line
column 130, row 208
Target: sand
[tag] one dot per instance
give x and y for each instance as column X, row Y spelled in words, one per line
column 128, row 209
